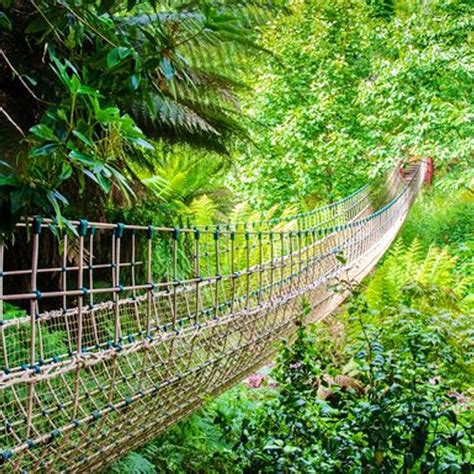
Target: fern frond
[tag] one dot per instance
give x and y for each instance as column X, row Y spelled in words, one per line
column 203, row 211
column 427, row 281
column 134, row 463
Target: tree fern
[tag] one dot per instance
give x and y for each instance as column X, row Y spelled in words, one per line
column 203, row 211
column 180, row 174
column 73, row 70
column 438, row 269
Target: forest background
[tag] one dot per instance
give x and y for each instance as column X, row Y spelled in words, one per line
column 180, row 112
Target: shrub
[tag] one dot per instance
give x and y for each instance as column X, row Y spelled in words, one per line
column 441, row 218
column 387, row 409
column 207, row 441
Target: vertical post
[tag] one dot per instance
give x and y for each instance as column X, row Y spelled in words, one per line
column 300, row 257
column 133, row 264
column 80, row 282
column 197, row 274
column 260, row 267
column 272, row 263
column 314, row 239
column 176, row 232
column 247, row 268
column 118, row 238
column 2, row 332
column 2, row 251
column 64, row 274
column 64, row 290
column 307, row 245
column 91, row 266
column 290, row 235
column 282, row 261
column 216, row 248
column 91, row 283
column 33, row 306
column 83, row 224
column 232, row 269
column 149, row 277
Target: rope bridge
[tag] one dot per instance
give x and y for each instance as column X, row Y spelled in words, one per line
column 110, row 334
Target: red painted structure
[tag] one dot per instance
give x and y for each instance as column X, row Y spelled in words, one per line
column 429, row 170
column 407, row 166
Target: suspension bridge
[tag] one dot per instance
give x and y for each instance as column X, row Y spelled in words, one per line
column 113, row 332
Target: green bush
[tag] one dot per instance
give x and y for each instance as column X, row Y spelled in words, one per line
column 440, row 217
column 350, row 93
column 206, row 442
column 388, row 409
column 420, row 279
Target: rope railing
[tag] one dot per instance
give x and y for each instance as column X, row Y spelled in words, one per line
column 340, row 210
column 109, row 336
column 312, row 215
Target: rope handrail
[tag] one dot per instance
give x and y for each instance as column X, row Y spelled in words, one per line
column 125, row 325
column 291, row 217
column 224, row 228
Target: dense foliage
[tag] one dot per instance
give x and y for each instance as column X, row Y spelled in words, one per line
column 98, row 99
column 105, row 103
column 393, row 412
column 353, row 91
column 86, row 86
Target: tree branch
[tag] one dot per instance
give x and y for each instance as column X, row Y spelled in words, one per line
column 9, row 118
column 25, row 85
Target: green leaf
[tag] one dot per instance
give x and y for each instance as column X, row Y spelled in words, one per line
column 104, row 183
column 66, row 171
column 53, row 199
column 117, row 55
column 5, row 22
column 122, row 181
column 82, row 137
column 60, row 70
column 86, row 90
column 44, row 132
column 134, row 82
column 61, row 113
column 82, row 158
column 70, row 226
column 44, row 149
column 8, row 180
column 142, row 143
column 75, row 84
column 110, row 114
column 91, row 175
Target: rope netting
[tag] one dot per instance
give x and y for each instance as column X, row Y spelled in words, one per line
column 109, row 336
